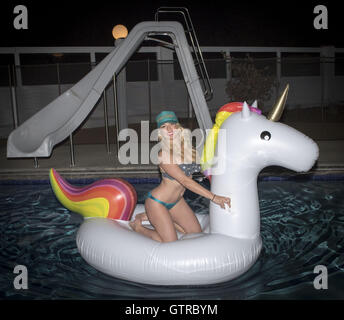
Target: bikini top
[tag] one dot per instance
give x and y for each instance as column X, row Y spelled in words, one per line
column 188, row 168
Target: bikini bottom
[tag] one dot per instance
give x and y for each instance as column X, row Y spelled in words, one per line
column 168, row 206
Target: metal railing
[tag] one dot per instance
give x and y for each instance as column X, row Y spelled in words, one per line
column 196, row 50
column 318, row 88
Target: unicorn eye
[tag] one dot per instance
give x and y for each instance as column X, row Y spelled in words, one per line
column 265, row 135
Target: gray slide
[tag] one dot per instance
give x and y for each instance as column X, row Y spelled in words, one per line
column 37, row 136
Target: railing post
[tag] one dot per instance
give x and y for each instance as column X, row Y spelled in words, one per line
column 121, row 88
column 72, row 160
column 230, row 73
column 327, row 55
column 322, row 93
column 106, row 122
column 278, row 66
column 12, row 85
column 35, row 161
column 116, row 112
column 58, row 79
column 149, row 92
column 278, row 72
column 71, row 145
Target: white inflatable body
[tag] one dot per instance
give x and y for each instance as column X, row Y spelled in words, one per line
column 195, row 259
column 230, row 242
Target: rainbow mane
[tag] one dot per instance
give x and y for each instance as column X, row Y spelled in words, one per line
column 108, row 198
column 209, row 147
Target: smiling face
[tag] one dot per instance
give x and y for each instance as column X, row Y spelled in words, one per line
column 169, row 129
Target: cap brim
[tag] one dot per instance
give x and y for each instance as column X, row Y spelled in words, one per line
column 167, row 120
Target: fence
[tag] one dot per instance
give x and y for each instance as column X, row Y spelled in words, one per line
column 153, row 81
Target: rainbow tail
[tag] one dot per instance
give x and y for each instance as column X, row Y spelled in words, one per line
column 108, row 198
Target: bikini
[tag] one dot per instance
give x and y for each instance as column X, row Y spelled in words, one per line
column 189, row 169
column 168, row 206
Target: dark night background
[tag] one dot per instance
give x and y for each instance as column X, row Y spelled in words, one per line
column 217, row 23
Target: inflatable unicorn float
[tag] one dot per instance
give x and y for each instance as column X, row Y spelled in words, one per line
column 230, row 242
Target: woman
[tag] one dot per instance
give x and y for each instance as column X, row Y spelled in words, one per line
column 165, row 206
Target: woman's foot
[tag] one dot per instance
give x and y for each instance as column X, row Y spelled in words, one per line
column 141, row 216
column 136, row 224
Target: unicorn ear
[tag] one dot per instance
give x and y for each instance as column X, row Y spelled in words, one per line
column 255, row 104
column 246, row 112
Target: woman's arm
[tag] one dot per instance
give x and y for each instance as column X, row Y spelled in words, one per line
column 175, row 172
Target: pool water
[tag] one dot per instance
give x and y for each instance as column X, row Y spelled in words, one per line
column 302, row 226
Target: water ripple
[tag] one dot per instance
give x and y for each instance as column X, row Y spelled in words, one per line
column 302, row 225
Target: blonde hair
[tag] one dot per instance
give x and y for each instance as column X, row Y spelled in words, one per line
column 179, row 150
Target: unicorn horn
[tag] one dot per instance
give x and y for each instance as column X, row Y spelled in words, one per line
column 276, row 112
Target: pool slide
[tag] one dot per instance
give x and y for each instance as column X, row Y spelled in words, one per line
column 38, row 135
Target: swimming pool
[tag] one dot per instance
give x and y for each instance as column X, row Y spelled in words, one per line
column 302, row 225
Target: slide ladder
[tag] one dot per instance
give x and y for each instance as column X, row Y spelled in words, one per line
column 196, row 50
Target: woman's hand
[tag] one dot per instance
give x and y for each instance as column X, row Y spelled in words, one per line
column 221, row 201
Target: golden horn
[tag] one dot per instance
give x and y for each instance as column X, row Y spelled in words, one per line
column 277, row 110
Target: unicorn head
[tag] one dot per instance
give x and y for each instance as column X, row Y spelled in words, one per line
column 258, row 142
column 253, row 142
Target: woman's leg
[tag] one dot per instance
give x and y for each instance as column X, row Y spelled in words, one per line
column 183, row 215
column 137, row 226
column 160, row 219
